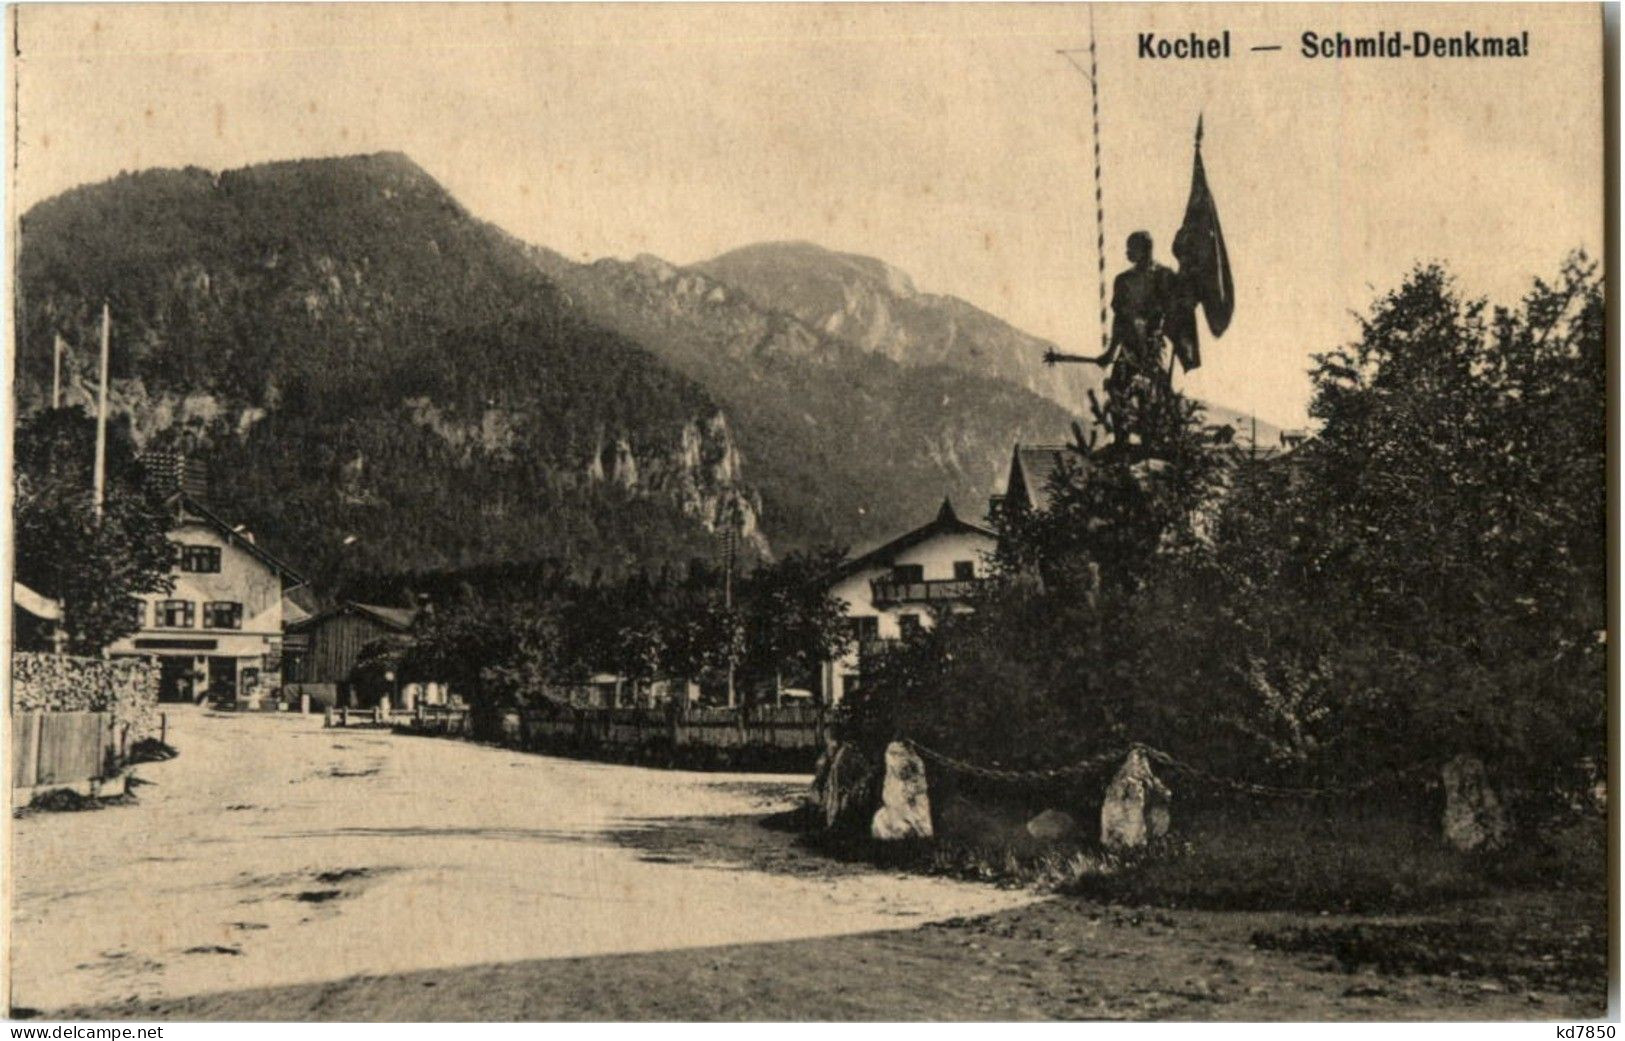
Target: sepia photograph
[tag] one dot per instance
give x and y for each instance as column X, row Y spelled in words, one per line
column 664, row 512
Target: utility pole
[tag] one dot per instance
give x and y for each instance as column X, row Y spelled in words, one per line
column 56, row 372
column 101, row 418
column 729, row 542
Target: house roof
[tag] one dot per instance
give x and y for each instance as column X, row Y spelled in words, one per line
column 398, row 619
column 193, row 507
column 299, row 603
column 946, row 522
column 1031, row 467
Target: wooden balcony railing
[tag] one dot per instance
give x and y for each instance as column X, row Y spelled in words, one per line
column 886, row 591
column 874, row 647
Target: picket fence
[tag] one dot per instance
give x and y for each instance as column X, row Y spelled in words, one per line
column 793, row 731
column 763, row 727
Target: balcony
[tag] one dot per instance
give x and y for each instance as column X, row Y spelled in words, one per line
column 887, row 591
column 875, row 647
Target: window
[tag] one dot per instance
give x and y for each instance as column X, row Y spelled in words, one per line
column 865, row 628
column 908, row 625
column 175, row 614
column 138, row 613
column 964, row 570
column 222, row 614
column 908, row 573
column 200, row 558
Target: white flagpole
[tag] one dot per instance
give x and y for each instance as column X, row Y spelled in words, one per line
column 56, row 372
column 101, row 418
column 1092, row 73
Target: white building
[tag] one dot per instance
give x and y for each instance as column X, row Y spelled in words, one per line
column 220, row 630
column 898, row 586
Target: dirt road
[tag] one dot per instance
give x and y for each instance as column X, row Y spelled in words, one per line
column 280, row 871
column 275, row 852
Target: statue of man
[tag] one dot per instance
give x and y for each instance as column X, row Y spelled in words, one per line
column 1141, row 301
column 1150, row 304
column 1143, row 297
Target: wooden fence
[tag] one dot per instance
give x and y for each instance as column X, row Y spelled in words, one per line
column 377, row 716
column 790, row 736
column 64, row 747
column 786, row 727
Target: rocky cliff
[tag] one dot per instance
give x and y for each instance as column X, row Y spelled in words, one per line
column 376, row 380
column 875, row 306
column 846, row 445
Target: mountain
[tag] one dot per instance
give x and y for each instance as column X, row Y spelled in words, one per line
column 846, row 445
column 875, row 306
column 376, row 380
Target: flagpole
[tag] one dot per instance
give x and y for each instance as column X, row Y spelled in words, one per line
column 101, row 418
column 1100, row 205
column 56, row 371
column 1093, row 75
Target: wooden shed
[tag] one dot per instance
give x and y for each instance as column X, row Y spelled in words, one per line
column 320, row 652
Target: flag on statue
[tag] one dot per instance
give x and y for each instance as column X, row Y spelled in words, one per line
column 1204, row 263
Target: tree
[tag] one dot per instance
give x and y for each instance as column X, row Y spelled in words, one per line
column 699, row 636
column 1048, row 667
column 1458, row 495
column 1122, row 502
column 457, row 644
column 793, row 623
column 93, row 565
column 378, row 667
column 538, row 659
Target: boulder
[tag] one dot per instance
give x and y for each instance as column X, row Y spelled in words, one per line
column 1052, row 825
column 905, row 805
column 850, row 789
column 1473, row 815
column 1135, row 809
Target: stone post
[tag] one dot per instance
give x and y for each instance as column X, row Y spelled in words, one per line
column 905, row 805
column 1473, row 815
column 1135, row 809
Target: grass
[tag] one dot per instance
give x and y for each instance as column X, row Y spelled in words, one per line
column 1298, row 861
column 66, row 800
column 151, row 750
column 1530, row 917
column 1552, row 941
column 1275, row 858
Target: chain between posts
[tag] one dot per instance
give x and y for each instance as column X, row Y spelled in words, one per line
column 1156, row 755
column 1089, row 765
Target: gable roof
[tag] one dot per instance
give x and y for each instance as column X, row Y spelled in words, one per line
column 1031, row 467
column 946, row 522
column 190, row 506
column 397, row 619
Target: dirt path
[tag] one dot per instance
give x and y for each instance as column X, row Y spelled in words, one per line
column 1048, row 961
column 278, row 871
column 274, row 852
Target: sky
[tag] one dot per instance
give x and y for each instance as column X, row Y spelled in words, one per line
column 951, row 142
